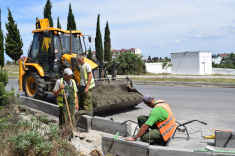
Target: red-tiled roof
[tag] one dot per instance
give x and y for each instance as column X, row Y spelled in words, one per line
column 223, row 55
column 118, row 51
column 22, row 58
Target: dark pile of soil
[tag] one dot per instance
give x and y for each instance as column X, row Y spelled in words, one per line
column 108, row 95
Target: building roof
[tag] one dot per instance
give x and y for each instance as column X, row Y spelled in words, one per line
column 192, row 52
column 223, row 55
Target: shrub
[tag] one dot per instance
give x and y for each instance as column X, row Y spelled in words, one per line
column 31, row 136
column 2, row 89
column 9, row 62
column 131, row 64
column 6, row 97
column 43, row 118
column 4, row 77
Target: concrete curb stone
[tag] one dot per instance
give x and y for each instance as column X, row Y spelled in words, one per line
column 110, row 126
column 85, row 122
column 226, row 139
column 133, row 148
column 40, row 105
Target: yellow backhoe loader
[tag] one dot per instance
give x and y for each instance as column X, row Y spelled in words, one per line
column 51, row 51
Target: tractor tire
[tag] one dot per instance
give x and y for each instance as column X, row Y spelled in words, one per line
column 35, row 86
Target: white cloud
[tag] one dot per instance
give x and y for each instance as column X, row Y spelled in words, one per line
column 159, row 43
column 146, row 24
column 177, row 41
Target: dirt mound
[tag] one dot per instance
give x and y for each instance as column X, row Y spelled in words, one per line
column 114, row 94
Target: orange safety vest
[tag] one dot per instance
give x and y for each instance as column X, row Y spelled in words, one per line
column 168, row 126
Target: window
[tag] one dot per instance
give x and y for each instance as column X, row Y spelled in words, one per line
column 34, row 49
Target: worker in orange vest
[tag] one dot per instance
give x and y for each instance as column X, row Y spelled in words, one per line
column 161, row 121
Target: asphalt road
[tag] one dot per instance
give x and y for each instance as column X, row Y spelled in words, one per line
column 215, row 106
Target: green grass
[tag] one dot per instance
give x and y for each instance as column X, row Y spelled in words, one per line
column 12, row 70
column 13, row 74
column 201, row 80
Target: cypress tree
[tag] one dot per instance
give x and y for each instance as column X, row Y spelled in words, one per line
column 107, row 44
column 36, row 22
column 89, row 56
column 58, row 23
column 1, row 44
column 71, row 24
column 14, row 44
column 98, row 42
column 47, row 12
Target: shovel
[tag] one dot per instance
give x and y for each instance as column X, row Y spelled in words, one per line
column 75, row 141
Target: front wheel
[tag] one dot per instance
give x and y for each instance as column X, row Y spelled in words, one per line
column 35, row 86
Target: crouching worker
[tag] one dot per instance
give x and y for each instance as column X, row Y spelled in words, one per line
column 70, row 89
column 161, row 121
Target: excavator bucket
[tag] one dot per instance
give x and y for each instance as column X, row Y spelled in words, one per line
column 109, row 95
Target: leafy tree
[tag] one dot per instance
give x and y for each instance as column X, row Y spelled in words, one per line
column 222, row 60
column 58, row 23
column 154, row 59
column 71, row 24
column 149, row 58
column 1, row 44
column 131, row 64
column 9, row 62
column 160, row 58
column 232, row 57
column 98, row 42
column 47, row 12
column 89, row 56
column 14, row 44
column 107, row 44
column 166, row 65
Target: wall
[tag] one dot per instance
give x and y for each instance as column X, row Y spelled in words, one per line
column 156, row 68
column 223, row 71
column 186, row 63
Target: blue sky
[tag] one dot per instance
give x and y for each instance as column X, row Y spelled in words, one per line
column 156, row 27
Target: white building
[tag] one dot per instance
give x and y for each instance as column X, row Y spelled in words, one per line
column 217, row 60
column 137, row 51
column 191, row 63
column 115, row 52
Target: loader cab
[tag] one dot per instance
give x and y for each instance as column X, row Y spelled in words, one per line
column 48, row 47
